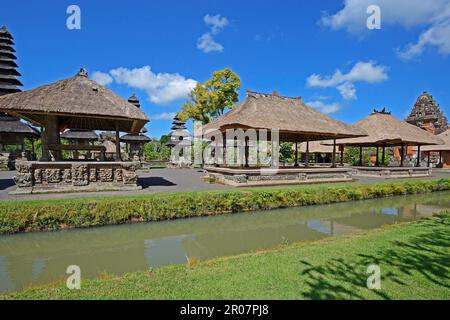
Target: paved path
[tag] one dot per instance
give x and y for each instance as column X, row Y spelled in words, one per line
column 157, row 181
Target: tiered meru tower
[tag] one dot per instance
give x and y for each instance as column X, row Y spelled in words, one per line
column 427, row 115
column 8, row 72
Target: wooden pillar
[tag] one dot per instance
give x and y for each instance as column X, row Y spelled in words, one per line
column 33, row 150
column 360, row 156
column 224, row 141
column 333, row 156
column 418, row 155
column 440, row 159
column 429, row 159
column 402, row 156
column 307, row 154
column 296, row 154
column 50, row 136
column 377, row 161
column 383, row 156
column 118, row 155
column 247, row 151
column 342, row 155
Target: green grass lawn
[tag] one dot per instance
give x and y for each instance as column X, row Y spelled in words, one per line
column 414, row 260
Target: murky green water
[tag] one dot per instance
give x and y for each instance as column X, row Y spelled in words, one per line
column 36, row 258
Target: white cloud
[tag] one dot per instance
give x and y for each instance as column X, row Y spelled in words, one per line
column 102, row 78
column 432, row 15
column 161, row 88
column 217, row 22
column 324, row 107
column 163, row 116
column 368, row 72
column 347, row 91
column 206, row 42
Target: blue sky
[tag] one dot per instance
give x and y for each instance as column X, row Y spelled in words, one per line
column 320, row 50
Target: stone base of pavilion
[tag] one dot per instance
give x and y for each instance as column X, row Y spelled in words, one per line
column 244, row 177
column 48, row 177
column 392, row 172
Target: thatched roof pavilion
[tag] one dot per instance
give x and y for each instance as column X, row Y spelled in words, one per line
column 80, row 135
column 384, row 130
column 445, row 137
column 74, row 103
column 295, row 121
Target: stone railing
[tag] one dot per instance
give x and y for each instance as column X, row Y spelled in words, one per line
column 42, row 177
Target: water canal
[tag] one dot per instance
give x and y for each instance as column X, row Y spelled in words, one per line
column 38, row 258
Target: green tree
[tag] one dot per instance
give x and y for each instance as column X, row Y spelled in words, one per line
column 286, row 152
column 209, row 99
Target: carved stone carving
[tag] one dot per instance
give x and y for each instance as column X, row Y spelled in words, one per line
column 118, row 175
column 106, row 175
column 38, row 176
column 80, row 175
column 93, row 175
column 67, row 176
column 53, row 175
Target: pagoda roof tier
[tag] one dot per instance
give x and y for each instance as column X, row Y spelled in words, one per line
column 13, row 125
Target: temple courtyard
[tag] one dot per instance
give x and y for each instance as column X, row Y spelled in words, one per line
column 170, row 180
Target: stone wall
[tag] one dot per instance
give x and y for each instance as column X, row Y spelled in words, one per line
column 41, row 177
column 255, row 177
column 392, row 172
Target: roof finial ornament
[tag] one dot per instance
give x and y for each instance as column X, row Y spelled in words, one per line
column 82, row 73
column 382, row 111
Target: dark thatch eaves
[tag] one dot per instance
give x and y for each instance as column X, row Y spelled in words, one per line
column 13, row 125
column 445, row 137
column 135, row 138
column 317, row 147
column 86, row 135
column 386, row 130
column 294, row 120
column 79, row 103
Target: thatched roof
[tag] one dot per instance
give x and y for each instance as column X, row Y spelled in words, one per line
column 445, row 137
column 135, row 138
column 385, row 129
column 317, row 147
column 13, row 125
column 80, row 135
column 294, row 119
column 79, row 103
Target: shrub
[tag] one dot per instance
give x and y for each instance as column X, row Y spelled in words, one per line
column 81, row 213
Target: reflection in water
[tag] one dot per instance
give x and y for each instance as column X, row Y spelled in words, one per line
column 36, row 258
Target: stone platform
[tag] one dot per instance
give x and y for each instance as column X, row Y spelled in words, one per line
column 243, row 177
column 47, row 177
column 392, row 172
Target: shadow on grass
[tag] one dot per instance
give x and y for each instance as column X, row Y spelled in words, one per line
column 425, row 254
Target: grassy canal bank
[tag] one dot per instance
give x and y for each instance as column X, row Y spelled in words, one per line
column 25, row 216
column 413, row 258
